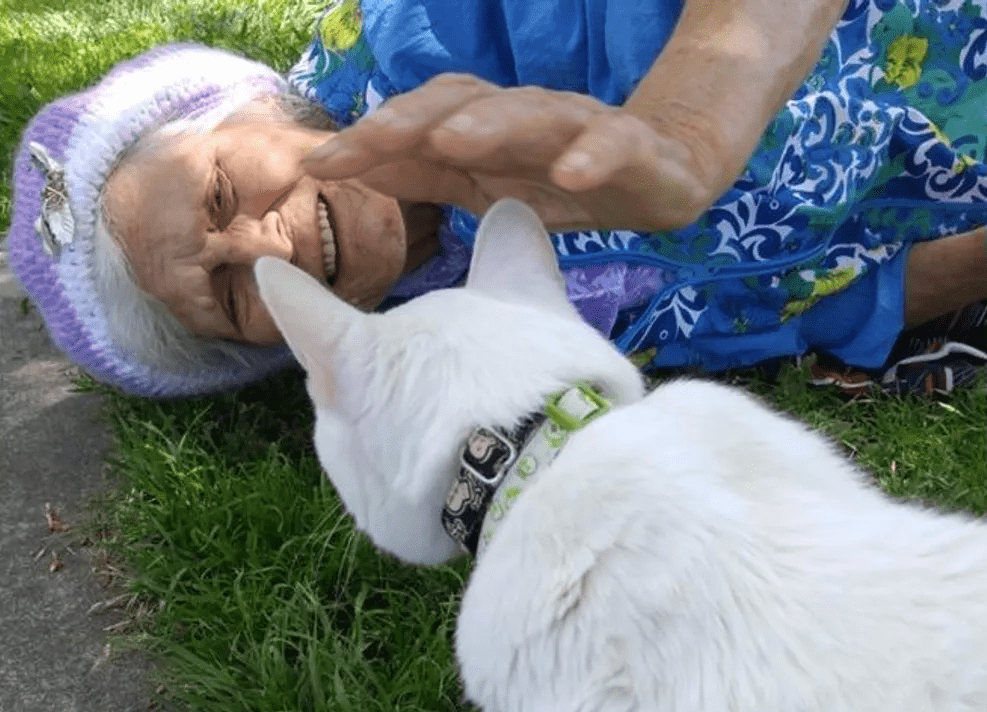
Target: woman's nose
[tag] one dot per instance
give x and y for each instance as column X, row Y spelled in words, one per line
column 246, row 238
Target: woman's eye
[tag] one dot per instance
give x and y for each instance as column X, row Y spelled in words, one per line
column 224, row 200
column 218, row 194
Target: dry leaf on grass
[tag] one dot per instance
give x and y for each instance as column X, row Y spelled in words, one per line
column 55, row 523
column 102, row 659
column 122, row 601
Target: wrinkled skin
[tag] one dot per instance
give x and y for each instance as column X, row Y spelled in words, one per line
column 195, row 211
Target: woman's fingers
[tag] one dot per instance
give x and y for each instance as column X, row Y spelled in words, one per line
column 465, row 123
column 422, row 181
column 579, row 162
column 526, row 126
column 415, row 180
column 337, row 160
column 611, row 142
column 396, row 129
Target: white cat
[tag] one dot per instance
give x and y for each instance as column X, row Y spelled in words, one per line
column 689, row 551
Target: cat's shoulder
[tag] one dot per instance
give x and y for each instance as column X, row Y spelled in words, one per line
column 698, row 392
column 695, row 400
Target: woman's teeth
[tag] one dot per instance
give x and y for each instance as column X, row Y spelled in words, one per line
column 328, row 240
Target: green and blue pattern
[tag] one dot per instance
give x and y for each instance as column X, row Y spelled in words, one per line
column 883, row 145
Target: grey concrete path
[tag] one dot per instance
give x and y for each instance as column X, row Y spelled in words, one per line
column 53, row 654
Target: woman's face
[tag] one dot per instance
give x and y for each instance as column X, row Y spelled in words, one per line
column 194, row 212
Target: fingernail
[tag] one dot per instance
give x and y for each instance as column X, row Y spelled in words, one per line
column 330, row 149
column 386, row 116
column 460, row 123
column 322, row 151
column 576, row 162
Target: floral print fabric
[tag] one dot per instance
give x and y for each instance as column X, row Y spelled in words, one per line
column 883, row 145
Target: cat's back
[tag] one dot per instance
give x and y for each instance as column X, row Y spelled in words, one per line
column 699, row 551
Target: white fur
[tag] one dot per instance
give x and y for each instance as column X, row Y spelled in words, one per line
column 693, row 551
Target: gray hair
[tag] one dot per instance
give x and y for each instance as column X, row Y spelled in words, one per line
column 140, row 323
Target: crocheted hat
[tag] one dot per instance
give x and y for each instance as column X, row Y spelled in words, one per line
column 66, row 153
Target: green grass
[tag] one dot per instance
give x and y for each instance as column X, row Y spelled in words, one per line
column 52, row 47
column 267, row 600
column 270, row 601
column 257, row 595
column 923, row 449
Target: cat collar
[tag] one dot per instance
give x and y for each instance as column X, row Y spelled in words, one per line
column 496, row 464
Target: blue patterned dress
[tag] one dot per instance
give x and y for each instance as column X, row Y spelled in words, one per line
column 883, row 145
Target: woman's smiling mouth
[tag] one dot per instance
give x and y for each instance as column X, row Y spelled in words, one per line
column 328, row 235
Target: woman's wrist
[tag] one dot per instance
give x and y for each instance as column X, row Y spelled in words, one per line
column 726, row 71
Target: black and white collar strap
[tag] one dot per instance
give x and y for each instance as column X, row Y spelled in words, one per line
column 496, row 464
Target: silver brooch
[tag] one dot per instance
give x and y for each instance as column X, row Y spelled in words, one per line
column 55, row 225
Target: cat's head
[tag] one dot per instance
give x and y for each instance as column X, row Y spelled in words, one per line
column 397, row 393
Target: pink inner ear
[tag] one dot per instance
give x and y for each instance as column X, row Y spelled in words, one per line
column 320, row 384
column 314, row 354
column 310, row 318
column 513, row 253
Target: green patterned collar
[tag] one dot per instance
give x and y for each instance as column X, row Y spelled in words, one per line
column 496, row 464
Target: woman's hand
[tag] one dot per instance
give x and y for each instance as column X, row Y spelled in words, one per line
column 578, row 162
column 656, row 163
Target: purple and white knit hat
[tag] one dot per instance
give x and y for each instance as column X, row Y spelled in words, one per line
column 66, row 153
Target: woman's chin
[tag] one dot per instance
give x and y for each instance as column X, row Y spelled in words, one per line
column 367, row 294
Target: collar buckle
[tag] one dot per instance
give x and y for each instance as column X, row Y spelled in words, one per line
column 487, row 456
column 495, row 463
column 574, row 407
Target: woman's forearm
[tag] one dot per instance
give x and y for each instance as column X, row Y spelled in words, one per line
column 726, row 71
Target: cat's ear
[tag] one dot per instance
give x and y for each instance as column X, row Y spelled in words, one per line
column 309, row 316
column 513, row 259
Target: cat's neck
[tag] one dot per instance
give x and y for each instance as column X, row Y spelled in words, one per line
column 496, row 464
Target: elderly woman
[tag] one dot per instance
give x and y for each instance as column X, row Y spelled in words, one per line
column 738, row 180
